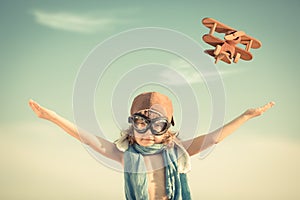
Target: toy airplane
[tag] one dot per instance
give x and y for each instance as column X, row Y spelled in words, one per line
column 226, row 50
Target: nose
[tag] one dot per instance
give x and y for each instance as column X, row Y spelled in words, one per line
column 148, row 133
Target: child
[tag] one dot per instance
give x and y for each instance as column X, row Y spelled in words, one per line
column 155, row 161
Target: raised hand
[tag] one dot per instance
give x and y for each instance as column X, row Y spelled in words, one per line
column 40, row 111
column 254, row 112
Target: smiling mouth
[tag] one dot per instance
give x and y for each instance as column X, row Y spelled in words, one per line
column 148, row 139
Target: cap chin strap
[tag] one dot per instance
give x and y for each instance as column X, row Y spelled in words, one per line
column 172, row 121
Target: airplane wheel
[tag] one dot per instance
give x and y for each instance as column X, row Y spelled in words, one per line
column 237, row 57
column 217, row 50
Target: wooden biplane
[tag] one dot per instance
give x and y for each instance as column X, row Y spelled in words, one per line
column 227, row 49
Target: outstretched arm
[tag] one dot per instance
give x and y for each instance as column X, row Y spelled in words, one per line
column 100, row 145
column 202, row 142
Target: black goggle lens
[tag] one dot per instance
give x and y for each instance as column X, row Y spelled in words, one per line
column 141, row 124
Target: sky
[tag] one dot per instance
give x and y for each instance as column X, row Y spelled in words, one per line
column 46, row 44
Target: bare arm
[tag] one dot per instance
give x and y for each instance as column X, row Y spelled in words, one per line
column 100, row 145
column 202, row 142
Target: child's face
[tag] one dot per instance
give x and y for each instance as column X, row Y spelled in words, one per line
column 147, row 138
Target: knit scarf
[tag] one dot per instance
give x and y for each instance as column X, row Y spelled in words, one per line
column 136, row 184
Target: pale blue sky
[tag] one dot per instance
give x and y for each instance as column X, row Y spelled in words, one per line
column 40, row 60
column 43, row 44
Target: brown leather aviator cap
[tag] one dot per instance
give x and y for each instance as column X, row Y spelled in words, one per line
column 155, row 101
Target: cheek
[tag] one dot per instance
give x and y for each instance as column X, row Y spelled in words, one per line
column 159, row 139
column 138, row 137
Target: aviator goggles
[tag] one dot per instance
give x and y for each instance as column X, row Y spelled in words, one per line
column 141, row 124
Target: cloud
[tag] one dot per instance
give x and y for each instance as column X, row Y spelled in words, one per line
column 74, row 22
column 191, row 75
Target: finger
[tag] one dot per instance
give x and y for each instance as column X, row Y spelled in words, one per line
column 35, row 106
column 267, row 106
column 31, row 103
column 270, row 104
